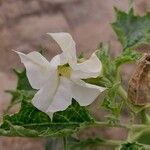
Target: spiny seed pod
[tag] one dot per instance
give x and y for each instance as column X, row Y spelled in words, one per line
column 139, row 84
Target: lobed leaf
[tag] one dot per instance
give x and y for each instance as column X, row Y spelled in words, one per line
column 132, row 30
column 108, row 67
column 31, row 122
column 23, row 91
column 127, row 56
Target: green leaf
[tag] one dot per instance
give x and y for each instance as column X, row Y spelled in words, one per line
column 23, row 82
column 100, row 81
column 144, row 136
column 127, row 56
column 41, row 49
column 109, row 69
column 20, row 95
column 81, row 55
column 110, row 103
column 31, row 122
column 23, row 91
column 111, row 94
column 132, row 30
column 141, row 135
column 131, row 146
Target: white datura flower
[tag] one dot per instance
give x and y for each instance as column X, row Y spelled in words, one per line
column 60, row 80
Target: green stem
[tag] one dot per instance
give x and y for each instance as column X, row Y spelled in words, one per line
column 144, row 117
column 65, row 143
column 123, row 94
column 107, row 125
column 111, row 143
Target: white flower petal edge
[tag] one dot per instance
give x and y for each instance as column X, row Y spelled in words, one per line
column 88, row 69
column 67, row 45
column 69, row 89
column 44, row 97
column 37, row 67
column 62, row 98
column 85, row 93
column 56, row 91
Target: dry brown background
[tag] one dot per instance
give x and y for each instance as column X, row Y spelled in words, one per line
column 23, row 27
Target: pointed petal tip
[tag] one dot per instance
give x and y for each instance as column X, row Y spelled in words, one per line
column 14, row 51
column 52, row 34
column 19, row 53
column 50, row 114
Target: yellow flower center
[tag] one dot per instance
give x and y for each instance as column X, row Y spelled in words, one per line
column 64, row 71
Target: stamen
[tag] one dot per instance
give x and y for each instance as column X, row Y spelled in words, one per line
column 64, row 70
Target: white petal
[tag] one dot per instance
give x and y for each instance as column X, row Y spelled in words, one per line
column 88, row 69
column 37, row 67
column 62, row 98
column 82, row 92
column 85, row 93
column 58, row 60
column 44, row 97
column 67, row 45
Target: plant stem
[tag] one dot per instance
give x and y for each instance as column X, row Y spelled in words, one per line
column 123, row 94
column 105, row 124
column 144, row 117
column 65, row 143
column 111, row 143
column 126, row 126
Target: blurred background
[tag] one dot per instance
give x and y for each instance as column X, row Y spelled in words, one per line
column 23, row 27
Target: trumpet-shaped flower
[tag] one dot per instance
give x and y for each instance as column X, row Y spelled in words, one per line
column 60, row 80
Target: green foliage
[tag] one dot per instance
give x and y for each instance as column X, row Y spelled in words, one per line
column 131, row 146
column 23, row 83
column 29, row 121
column 109, row 70
column 111, row 79
column 23, row 90
column 112, row 82
column 132, row 30
column 110, row 103
column 127, row 56
column 144, row 137
column 141, row 135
